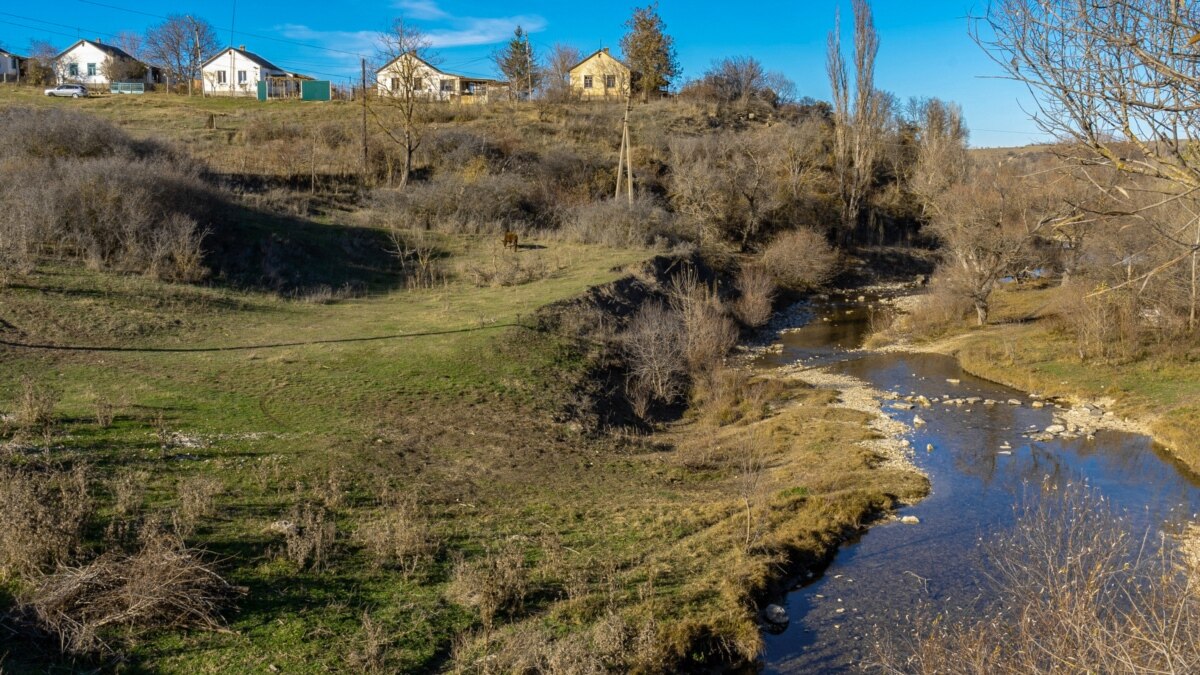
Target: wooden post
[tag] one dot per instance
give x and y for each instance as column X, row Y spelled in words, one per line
column 625, row 159
column 366, row 155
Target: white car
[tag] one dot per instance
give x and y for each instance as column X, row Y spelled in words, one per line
column 72, row 90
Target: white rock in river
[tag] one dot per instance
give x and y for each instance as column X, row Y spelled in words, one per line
column 1037, row 404
column 910, row 520
column 918, row 421
column 1055, row 429
column 776, row 615
column 953, row 380
column 929, row 447
column 1014, row 401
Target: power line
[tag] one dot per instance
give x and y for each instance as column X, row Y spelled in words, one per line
column 309, row 45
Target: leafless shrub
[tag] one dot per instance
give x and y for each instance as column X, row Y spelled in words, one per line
column 800, row 260
column 197, row 499
column 80, row 188
column 1105, row 325
column 34, row 414
column 756, row 296
column 942, row 306
column 509, row 270
column 374, row 644
column 44, row 511
column 1080, row 594
column 654, row 347
column 709, row 332
column 165, row 585
column 398, row 536
column 496, row 584
column 417, row 253
column 311, row 536
column 106, row 411
column 617, row 223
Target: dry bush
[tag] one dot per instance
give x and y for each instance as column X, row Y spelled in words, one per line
column 165, row 585
column 709, row 332
column 398, row 536
column 1079, row 593
column 509, row 269
column 197, row 500
column 34, row 413
column 311, row 536
column 374, row 645
column 756, row 296
column 654, row 349
column 451, row 204
column 942, row 306
column 1106, row 326
column 496, row 585
column 108, row 199
column 616, row 223
column 44, row 511
column 733, row 395
column 800, row 260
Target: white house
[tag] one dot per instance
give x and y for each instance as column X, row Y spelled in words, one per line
column 237, row 72
column 409, row 71
column 95, row 63
column 10, row 66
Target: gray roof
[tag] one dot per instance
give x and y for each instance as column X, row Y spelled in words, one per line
column 5, row 51
column 263, row 63
column 107, row 49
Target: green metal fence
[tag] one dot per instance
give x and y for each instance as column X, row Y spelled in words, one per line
column 127, row 88
column 315, row 90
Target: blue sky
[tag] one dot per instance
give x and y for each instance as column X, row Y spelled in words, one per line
column 925, row 49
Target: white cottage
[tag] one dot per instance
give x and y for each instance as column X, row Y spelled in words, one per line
column 417, row 75
column 92, row 62
column 10, row 66
column 237, row 72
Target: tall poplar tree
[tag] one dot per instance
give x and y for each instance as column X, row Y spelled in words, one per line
column 649, row 52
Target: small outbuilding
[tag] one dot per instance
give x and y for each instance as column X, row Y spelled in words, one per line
column 10, row 66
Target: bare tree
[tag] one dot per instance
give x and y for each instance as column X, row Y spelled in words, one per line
column 990, row 222
column 941, row 139
column 559, row 62
column 1119, row 80
column 39, row 67
column 858, row 115
column 121, row 69
column 180, row 44
column 407, row 56
column 131, row 43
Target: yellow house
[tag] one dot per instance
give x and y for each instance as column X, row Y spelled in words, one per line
column 600, row 75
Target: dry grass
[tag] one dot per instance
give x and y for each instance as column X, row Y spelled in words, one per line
column 45, row 510
column 311, row 536
column 1080, row 594
column 756, row 296
column 117, row 596
column 34, row 412
column 398, row 536
column 495, row 585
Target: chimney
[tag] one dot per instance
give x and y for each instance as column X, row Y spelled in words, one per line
column 99, row 41
column 242, row 48
column 605, row 49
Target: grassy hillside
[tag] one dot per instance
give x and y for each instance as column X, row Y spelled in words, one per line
column 378, row 456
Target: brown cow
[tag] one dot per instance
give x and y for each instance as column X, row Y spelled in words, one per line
column 510, row 239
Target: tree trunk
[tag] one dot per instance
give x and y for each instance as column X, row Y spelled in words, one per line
column 981, row 310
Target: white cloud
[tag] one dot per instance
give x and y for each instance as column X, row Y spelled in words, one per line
column 422, row 10
column 473, row 31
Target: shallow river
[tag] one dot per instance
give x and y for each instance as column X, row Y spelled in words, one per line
column 876, row 582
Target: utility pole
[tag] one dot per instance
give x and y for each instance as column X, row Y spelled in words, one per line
column 366, row 156
column 196, row 51
column 625, row 159
column 529, row 64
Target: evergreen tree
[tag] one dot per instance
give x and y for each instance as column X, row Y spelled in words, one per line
column 517, row 63
column 649, row 52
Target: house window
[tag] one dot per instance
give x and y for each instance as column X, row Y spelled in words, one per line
column 221, row 79
column 14, row 63
column 91, row 70
column 395, row 84
column 417, row 83
column 587, row 81
column 73, row 70
column 610, row 81
column 448, row 86
column 241, row 77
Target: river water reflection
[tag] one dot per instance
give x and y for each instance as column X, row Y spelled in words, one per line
column 979, row 468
